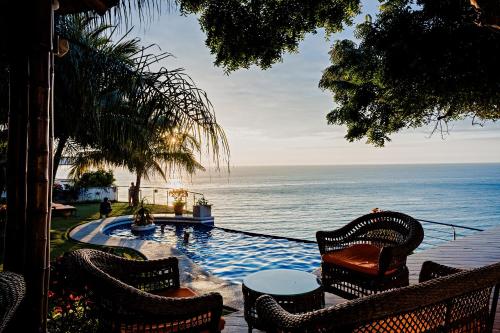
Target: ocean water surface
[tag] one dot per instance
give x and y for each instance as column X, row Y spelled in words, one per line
column 296, row 201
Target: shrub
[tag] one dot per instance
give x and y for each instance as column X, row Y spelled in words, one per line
column 99, row 178
column 70, row 308
column 202, row 202
column 143, row 215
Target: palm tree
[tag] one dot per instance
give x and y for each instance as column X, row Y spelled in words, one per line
column 115, row 104
column 30, row 55
column 163, row 151
column 87, row 73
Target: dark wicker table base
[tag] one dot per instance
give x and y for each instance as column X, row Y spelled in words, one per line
column 313, row 300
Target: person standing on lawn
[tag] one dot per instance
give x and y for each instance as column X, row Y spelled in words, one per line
column 105, row 208
column 131, row 192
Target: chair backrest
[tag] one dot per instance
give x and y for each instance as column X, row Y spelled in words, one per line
column 12, row 291
column 107, row 272
column 387, row 228
column 460, row 302
column 383, row 229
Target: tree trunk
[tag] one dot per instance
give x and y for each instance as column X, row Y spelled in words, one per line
column 57, row 156
column 135, row 198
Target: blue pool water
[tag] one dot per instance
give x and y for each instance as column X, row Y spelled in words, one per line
column 231, row 255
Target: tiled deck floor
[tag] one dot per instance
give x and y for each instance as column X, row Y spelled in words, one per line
column 480, row 249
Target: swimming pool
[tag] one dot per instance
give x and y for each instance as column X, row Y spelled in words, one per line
column 230, row 255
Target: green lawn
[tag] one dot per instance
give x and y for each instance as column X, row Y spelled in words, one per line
column 60, row 242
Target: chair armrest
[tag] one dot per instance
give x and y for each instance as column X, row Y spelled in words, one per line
column 393, row 256
column 277, row 319
column 134, row 304
column 335, row 240
column 171, row 307
column 12, row 292
column 432, row 270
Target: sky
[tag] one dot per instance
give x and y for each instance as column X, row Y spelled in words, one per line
column 278, row 116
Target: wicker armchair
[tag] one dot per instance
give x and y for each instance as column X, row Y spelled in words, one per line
column 368, row 255
column 143, row 296
column 12, row 291
column 446, row 300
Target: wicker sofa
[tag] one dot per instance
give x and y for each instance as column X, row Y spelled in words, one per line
column 445, row 300
column 143, row 296
column 12, row 292
column 368, row 255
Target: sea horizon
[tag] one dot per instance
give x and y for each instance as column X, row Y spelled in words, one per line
column 296, row 201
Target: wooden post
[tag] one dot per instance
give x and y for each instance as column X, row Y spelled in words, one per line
column 39, row 172
column 29, row 167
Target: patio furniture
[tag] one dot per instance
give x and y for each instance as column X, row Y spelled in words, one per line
column 368, row 255
column 445, row 300
column 143, row 296
column 12, row 291
column 63, row 210
column 296, row 291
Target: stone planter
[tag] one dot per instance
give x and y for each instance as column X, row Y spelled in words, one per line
column 202, row 210
column 143, row 229
column 178, row 208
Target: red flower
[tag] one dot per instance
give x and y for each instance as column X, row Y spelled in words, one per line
column 50, row 294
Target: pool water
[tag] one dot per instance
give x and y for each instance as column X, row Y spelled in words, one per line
column 231, row 255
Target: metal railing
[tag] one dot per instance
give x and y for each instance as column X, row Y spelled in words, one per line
column 440, row 232
column 154, row 193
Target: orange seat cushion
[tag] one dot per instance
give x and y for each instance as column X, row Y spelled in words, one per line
column 177, row 292
column 361, row 258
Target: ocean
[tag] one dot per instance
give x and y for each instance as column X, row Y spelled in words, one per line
column 296, row 201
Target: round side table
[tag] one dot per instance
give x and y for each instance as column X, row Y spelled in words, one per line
column 296, row 291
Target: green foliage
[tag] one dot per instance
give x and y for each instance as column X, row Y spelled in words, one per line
column 94, row 70
column 143, row 215
column 202, row 202
column 241, row 33
column 70, row 307
column 119, row 111
column 416, row 64
column 99, row 178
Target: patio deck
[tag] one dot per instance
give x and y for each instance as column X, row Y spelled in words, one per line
column 479, row 249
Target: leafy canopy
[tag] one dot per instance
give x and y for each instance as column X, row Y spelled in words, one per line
column 246, row 32
column 419, row 62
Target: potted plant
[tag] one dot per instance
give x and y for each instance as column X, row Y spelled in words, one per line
column 202, row 208
column 143, row 219
column 179, row 196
